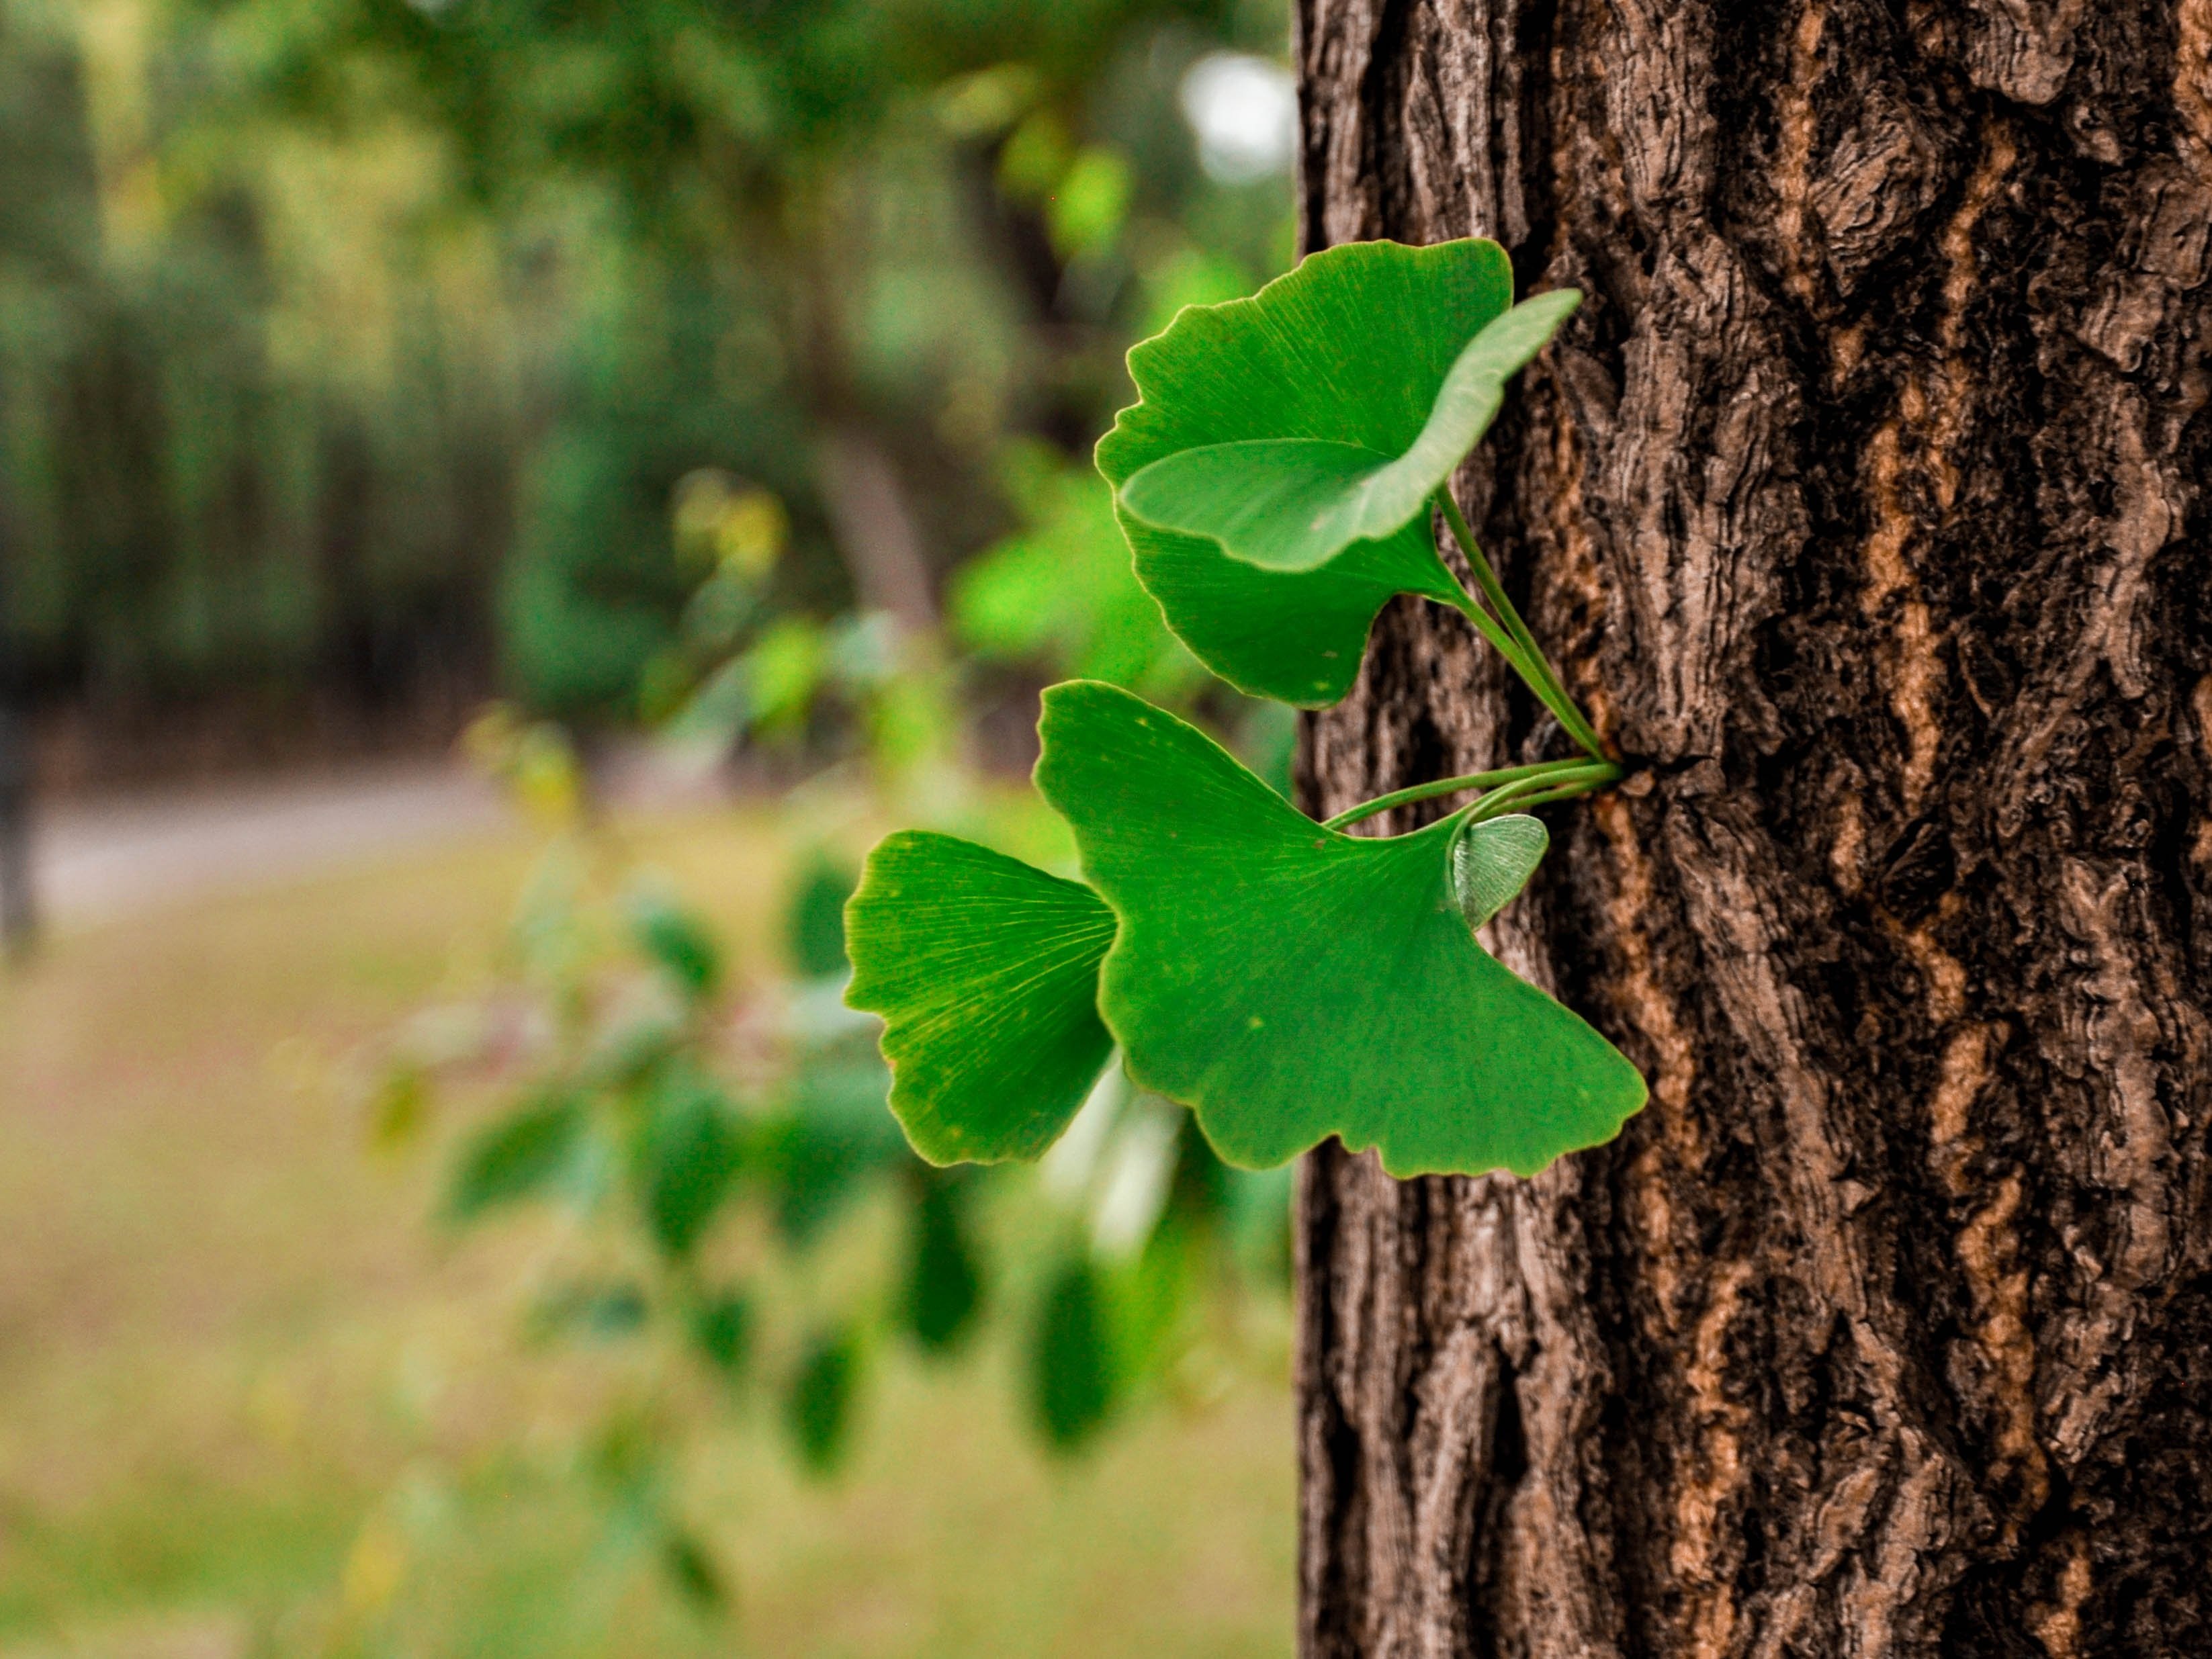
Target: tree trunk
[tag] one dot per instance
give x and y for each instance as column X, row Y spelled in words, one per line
column 1857, row 505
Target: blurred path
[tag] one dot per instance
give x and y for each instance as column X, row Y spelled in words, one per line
column 102, row 859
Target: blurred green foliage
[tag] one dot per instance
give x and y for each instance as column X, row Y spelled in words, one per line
column 362, row 344
column 736, row 1195
column 729, row 364
column 1061, row 591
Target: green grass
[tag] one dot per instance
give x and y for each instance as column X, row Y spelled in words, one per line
column 253, row 1402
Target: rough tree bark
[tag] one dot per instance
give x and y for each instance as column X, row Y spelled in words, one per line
column 1861, row 504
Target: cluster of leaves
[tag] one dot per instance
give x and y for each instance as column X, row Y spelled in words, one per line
column 1060, row 591
column 623, row 1106
column 1287, row 982
column 720, row 1162
column 790, row 235
column 358, row 344
column 742, row 670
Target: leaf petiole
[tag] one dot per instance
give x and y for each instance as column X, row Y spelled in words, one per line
column 1518, row 646
column 1562, row 782
column 1558, row 780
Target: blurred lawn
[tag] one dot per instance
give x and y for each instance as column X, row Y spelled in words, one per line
column 251, row 1403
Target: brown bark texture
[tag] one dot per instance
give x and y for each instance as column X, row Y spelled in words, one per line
column 1862, row 506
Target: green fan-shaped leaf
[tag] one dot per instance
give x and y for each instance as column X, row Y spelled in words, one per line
column 1296, row 503
column 1291, row 983
column 985, row 971
column 1353, row 348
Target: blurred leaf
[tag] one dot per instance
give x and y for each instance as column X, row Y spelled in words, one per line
column 691, row 1153
column 814, row 922
column 722, row 1326
column 518, row 1156
column 1062, row 594
column 783, row 671
column 1260, row 1204
column 694, row 1573
column 1092, row 200
column 913, row 721
column 944, row 1283
column 1190, row 276
column 532, row 759
column 665, row 686
column 398, row 1108
column 719, row 610
column 1071, row 1363
column 833, row 1133
column 818, row 1409
column 676, row 940
column 711, row 720
column 628, row 1460
column 986, row 973
column 722, row 524
column 1267, row 743
column 644, row 1029
column 546, row 777
column 1198, row 1191
column 1139, row 1167
column 1036, row 157
column 599, row 1311
column 1151, row 1301
column 552, row 939
column 769, row 689
column 986, row 102
column 866, row 650
column 488, row 740
column 751, row 537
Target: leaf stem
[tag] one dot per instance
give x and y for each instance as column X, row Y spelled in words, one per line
column 1568, row 777
column 1562, row 783
column 1510, row 634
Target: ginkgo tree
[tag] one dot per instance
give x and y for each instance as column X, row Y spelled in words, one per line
column 1278, row 480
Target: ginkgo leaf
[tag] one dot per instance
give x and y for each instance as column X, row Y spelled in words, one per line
column 1290, row 983
column 985, row 971
column 1296, row 503
column 1492, row 861
column 1353, row 348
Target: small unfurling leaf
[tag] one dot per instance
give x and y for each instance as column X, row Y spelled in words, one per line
column 1492, row 862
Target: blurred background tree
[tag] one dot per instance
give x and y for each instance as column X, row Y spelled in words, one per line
column 351, row 352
